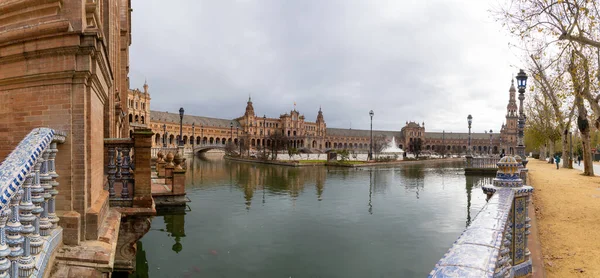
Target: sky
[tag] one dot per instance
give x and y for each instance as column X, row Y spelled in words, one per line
column 432, row 61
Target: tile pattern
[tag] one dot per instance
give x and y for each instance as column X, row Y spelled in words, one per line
column 20, row 166
column 519, row 230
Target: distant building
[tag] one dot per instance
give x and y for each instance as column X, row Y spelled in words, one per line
column 315, row 136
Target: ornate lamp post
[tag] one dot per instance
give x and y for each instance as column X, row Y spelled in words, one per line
column 490, row 149
column 443, row 143
column 521, row 85
column 202, row 134
column 371, row 145
column 164, row 135
column 193, row 136
column 181, row 126
column 470, row 120
column 237, row 131
column 231, row 131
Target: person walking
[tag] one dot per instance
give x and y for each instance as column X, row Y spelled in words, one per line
column 557, row 160
column 579, row 160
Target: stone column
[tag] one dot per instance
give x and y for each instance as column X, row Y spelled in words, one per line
column 14, row 237
column 37, row 199
column 53, row 150
column 125, row 173
column 45, row 180
column 169, row 167
column 112, row 171
column 142, row 195
column 4, row 250
column 26, row 262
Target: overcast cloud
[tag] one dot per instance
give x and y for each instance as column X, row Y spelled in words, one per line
column 432, row 61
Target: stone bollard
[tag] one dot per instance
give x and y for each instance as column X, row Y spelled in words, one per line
column 169, row 167
column 178, row 181
column 160, row 164
column 177, row 160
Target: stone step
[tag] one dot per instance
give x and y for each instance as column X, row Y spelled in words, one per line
column 67, row 271
column 92, row 257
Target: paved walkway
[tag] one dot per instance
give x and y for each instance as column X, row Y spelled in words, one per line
column 580, row 168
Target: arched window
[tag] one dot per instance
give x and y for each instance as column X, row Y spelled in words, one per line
column 143, row 120
column 130, row 118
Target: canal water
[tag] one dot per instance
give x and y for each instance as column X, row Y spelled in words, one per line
column 248, row 220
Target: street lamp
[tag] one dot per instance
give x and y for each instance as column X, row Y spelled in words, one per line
column 164, row 135
column 470, row 120
column 181, row 126
column 193, row 135
column 237, row 131
column 264, row 135
column 231, row 131
column 521, row 84
column 202, row 134
column 490, row 149
column 443, row 143
column 371, row 147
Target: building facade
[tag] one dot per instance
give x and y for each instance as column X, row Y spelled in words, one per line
column 138, row 108
column 296, row 131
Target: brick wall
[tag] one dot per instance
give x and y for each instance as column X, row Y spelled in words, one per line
column 58, row 70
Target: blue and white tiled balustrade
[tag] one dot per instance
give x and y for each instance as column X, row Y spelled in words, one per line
column 28, row 223
column 495, row 244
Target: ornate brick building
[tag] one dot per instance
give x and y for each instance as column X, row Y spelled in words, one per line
column 315, row 136
column 138, row 108
column 64, row 65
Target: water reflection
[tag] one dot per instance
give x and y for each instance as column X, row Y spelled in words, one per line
column 471, row 182
column 250, row 178
column 251, row 220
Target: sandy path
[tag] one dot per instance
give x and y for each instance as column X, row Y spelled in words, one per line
column 568, row 216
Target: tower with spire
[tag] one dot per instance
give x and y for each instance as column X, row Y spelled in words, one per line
column 509, row 129
column 321, row 126
column 249, row 117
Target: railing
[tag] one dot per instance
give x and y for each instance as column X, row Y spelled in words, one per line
column 495, row 243
column 482, row 250
column 28, row 223
column 482, row 162
column 203, row 146
column 154, row 151
column 120, row 168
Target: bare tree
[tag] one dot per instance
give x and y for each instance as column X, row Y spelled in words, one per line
column 379, row 143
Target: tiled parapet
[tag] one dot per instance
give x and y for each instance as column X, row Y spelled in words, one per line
column 510, row 171
column 27, row 191
column 495, row 244
column 481, row 250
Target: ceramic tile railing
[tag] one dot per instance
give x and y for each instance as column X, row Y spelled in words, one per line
column 495, row 244
column 28, row 223
column 483, row 248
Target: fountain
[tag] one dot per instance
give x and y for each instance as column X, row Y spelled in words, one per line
column 392, row 149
